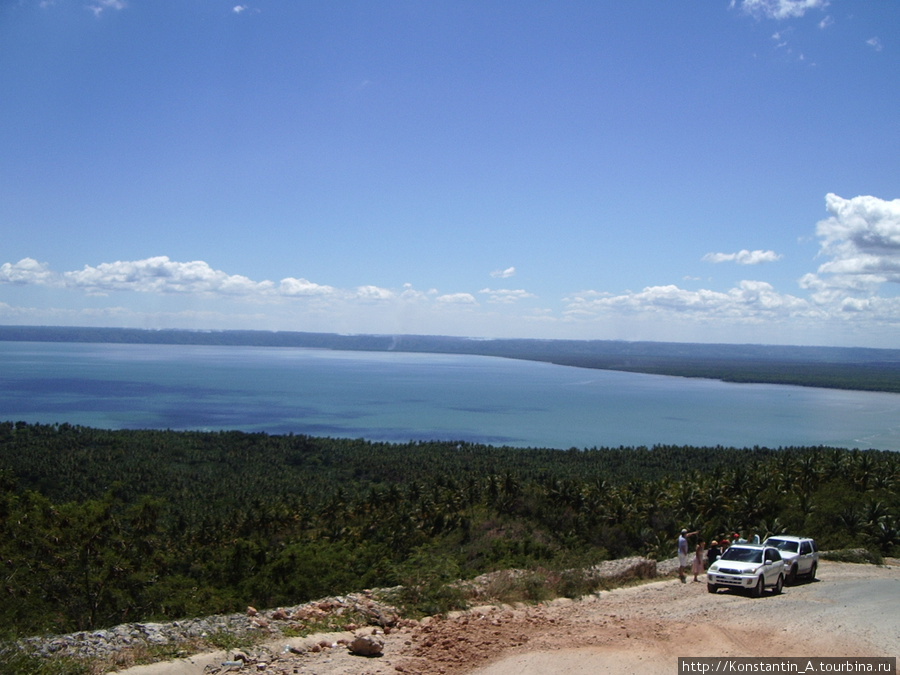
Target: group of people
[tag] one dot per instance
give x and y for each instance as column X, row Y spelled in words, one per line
column 704, row 557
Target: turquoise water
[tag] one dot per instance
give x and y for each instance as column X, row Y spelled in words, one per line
column 401, row 397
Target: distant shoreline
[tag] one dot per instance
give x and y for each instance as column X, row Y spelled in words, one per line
column 853, row 368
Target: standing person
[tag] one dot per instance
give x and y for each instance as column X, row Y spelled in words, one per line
column 683, row 561
column 713, row 553
column 699, row 559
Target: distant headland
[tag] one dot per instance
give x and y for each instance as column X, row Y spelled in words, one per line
column 829, row 367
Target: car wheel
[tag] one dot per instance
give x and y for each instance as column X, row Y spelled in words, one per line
column 712, row 588
column 779, row 585
column 792, row 576
column 758, row 589
column 812, row 571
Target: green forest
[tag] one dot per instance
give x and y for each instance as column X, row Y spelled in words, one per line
column 103, row 527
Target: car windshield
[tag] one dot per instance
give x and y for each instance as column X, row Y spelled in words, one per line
column 782, row 545
column 739, row 554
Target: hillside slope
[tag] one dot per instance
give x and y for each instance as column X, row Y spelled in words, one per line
column 638, row 629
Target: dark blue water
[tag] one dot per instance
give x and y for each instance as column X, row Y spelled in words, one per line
column 401, row 397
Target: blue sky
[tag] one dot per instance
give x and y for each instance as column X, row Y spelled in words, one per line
column 716, row 171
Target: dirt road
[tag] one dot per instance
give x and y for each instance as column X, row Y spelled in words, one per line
column 852, row 610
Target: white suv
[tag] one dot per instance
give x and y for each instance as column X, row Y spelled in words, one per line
column 800, row 554
column 752, row 567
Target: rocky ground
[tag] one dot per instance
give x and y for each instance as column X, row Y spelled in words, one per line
column 851, row 610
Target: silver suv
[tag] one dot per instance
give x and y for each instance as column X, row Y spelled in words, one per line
column 800, row 555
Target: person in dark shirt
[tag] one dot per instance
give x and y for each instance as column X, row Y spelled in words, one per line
column 713, row 553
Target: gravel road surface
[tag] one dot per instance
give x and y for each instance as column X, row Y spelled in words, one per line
column 851, row 610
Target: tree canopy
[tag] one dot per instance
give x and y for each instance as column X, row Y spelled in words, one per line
column 101, row 527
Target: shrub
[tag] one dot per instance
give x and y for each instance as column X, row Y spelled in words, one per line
column 427, row 584
column 853, row 555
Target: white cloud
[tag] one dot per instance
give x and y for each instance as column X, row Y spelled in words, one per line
column 27, row 271
column 863, row 223
column 241, row 9
column 834, row 289
column 862, row 240
column 781, row 9
column 100, row 6
column 161, row 275
column 411, row 294
column 168, row 277
column 374, row 293
column 504, row 274
column 457, row 299
column 859, row 255
column 506, row 296
column 826, row 22
column 749, row 301
column 743, row 257
column 299, row 287
column 874, row 43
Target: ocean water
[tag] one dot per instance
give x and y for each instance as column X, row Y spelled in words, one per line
column 401, row 397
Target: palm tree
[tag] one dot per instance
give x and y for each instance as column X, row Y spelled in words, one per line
column 873, row 512
column 767, row 529
column 852, row 520
column 863, row 469
column 885, row 534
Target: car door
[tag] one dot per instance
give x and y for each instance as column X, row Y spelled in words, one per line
column 773, row 566
column 804, row 560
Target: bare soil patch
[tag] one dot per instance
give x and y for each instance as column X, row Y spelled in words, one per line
column 851, row 610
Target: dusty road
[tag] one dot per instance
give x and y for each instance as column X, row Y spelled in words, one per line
column 852, row 610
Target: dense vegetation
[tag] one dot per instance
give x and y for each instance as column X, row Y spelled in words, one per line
column 834, row 367
column 101, row 527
